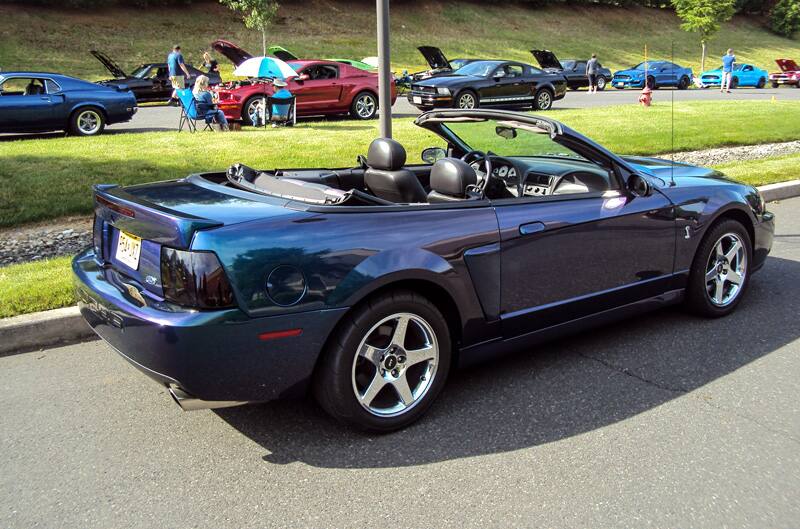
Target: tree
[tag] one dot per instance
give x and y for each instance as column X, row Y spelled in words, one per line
column 704, row 17
column 785, row 17
column 257, row 14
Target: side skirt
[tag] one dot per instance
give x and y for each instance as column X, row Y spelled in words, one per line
column 485, row 351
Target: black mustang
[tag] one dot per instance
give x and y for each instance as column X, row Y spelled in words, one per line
column 490, row 83
column 149, row 82
column 573, row 70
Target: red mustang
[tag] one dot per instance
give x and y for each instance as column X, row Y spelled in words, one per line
column 789, row 74
column 321, row 88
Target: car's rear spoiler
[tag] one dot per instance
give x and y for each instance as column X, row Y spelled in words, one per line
column 149, row 221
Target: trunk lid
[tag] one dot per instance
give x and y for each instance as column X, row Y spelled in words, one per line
column 231, row 51
column 787, row 65
column 282, row 53
column 168, row 214
column 110, row 65
column 547, row 60
column 435, row 58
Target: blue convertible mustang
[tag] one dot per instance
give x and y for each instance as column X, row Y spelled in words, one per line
column 41, row 102
column 367, row 285
column 655, row 74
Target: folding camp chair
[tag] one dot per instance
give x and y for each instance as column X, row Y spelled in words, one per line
column 189, row 115
column 291, row 117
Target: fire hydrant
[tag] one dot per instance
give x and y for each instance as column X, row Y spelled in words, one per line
column 647, row 96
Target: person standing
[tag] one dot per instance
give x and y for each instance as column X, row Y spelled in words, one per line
column 727, row 70
column 177, row 68
column 592, row 70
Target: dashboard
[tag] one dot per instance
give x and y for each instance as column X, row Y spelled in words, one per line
column 544, row 176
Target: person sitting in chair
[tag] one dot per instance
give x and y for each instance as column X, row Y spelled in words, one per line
column 206, row 106
column 280, row 112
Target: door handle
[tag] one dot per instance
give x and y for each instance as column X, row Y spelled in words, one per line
column 531, row 228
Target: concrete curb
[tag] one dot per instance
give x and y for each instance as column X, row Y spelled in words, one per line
column 780, row 191
column 43, row 329
column 65, row 326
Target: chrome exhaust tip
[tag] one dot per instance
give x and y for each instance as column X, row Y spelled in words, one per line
column 189, row 403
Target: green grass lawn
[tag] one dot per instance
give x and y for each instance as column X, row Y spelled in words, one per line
column 50, row 178
column 45, row 38
column 764, row 171
column 32, row 287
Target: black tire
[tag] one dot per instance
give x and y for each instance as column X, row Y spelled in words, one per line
column 87, row 121
column 698, row 297
column 683, row 84
column 466, row 97
column 734, row 83
column 336, row 379
column 775, row 85
column 543, row 100
column 364, row 105
column 651, row 83
column 601, row 83
column 761, row 83
column 247, row 120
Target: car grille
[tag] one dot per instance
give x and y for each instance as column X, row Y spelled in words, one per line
column 711, row 77
column 779, row 76
column 423, row 89
column 622, row 77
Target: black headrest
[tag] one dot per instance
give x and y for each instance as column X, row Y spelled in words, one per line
column 451, row 176
column 386, row 154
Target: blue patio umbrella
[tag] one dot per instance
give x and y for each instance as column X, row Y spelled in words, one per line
column 265, row 67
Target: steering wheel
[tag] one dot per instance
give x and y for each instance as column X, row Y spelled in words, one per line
column 477, row 156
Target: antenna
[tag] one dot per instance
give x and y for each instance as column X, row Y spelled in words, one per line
column 672, row 123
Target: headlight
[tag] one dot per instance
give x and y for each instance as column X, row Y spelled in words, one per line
column 443, row 91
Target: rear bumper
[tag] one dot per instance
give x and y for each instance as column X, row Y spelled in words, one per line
column 214, row 355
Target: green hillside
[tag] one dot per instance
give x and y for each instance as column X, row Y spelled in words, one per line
column 55, row 39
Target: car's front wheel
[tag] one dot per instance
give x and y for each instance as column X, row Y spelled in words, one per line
column 683, row 84
column 543, row 100
column 385, row 363
column 720, row 272
column 87, row 121
column 364, row 106
column 601, row 83
column 466, row 100
column 735, row 83
column 651, row 83
column 761, row 83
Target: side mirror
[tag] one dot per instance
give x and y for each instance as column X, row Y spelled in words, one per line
column 639, row 187
column 433, row 154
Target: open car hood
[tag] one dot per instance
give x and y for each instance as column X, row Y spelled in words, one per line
column 547, row 59
column 435, row 57
column 787, row 65
column 110, row 65
column 234, row 53
column 282, row 53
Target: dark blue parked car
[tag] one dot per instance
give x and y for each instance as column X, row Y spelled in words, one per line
column 42, row 102
column 655, row 74
column 368, row 284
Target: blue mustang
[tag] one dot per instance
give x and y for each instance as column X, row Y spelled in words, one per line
column 42, row 102
column 655, row 74
column 370, row 283
column 743, row 75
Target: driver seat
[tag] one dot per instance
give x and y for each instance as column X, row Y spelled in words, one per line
column 385, row 176
column 450, row 179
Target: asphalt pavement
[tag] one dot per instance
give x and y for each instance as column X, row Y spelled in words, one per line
column 665, row 420
column 166, row 118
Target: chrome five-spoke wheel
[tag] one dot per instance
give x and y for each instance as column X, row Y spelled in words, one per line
column 726, row 270
column 396, row 363
column 365, row 106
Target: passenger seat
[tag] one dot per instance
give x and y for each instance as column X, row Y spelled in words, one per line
column 385, row 176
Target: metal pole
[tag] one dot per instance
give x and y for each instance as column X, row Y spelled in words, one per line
column 384, row 73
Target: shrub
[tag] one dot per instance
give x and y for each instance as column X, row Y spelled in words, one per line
column 784, row 19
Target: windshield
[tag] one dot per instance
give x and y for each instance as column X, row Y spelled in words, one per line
column 646, row 66
column 479, row 68
column 568, row 64
column 509, row 138
column 141, row 72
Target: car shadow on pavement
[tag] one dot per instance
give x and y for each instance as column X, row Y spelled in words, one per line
column 566, row 388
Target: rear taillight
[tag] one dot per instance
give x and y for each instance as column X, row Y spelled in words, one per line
column 194, row 279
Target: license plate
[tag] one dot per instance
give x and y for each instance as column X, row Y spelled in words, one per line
column 620, row 84
column 128, row 249
column 417, row 100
